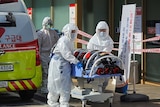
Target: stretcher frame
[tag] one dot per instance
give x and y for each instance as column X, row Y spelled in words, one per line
column 86, row 94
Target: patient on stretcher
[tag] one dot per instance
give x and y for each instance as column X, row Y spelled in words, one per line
column 96, row 64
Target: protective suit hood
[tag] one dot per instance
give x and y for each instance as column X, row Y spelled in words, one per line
column 97, row 39
column 101, row 39
column 102, row 25
column 67, row 31
column 47, row 23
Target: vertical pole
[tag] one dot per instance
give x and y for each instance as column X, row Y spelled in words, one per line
column 125, row 1
column 143, row 64
column 134, row 65
column 32, row 10
column 79, row 19
column 52, row 10
column 111, row 17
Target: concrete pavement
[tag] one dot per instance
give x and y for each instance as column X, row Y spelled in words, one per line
column 151, row 90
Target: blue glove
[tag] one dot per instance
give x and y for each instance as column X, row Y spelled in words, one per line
column 79, row 65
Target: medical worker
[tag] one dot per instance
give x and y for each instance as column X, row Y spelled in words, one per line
column 101, row 39
column 59, row 77
column 103, row 42
column 46, row 38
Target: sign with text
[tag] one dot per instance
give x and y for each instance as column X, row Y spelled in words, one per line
column 126, row 37
column 138, row 30
column 72, row 13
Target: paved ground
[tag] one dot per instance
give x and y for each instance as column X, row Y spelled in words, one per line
column 150, row 90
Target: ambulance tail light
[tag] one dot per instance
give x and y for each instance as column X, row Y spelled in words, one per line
column 38, row 62
column 7, row 1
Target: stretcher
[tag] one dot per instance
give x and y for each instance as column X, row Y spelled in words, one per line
column 96, row 79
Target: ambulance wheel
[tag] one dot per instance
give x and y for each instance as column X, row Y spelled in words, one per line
column 27, row 94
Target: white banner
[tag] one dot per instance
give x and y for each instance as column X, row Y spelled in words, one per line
column 125, row 40
column 138, row 29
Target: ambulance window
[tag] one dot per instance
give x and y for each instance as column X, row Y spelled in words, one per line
column 10, row 21
column 7, row 1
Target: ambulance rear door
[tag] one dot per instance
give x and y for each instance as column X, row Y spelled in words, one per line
column 18, row 44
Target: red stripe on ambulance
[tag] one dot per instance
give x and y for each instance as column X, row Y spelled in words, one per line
column 32, row 84
column 24, row 85
column 8, row 89
column 15, row 85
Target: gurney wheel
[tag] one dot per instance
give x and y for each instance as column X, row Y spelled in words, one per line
column 110, row 101
column 110, row 104
column 84, row 103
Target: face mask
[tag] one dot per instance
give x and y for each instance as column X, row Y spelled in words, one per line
column 47, row 27
column 102, row 35
column 73, row 36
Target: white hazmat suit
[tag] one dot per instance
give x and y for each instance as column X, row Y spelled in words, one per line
column 59, row 77
column 103, row 42
column 46, row 38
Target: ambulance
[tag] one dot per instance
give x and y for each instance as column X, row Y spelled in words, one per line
column 20, row 67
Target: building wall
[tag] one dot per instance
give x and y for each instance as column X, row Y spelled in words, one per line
column 61, row 12
column 93, row 13
column 152, row 59
column 42, row 8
